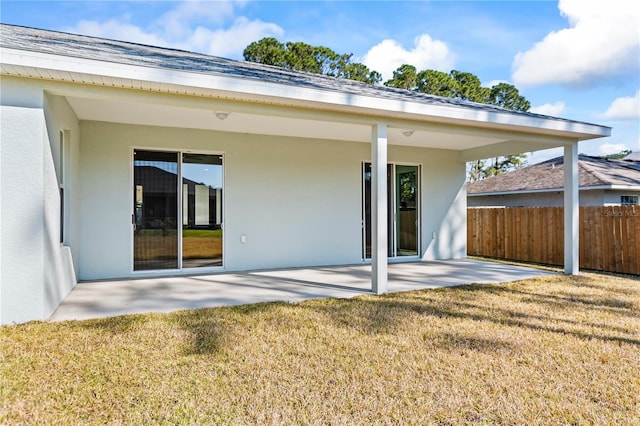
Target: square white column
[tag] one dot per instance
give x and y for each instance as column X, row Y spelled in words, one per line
column 379, row 225
column 571, row 210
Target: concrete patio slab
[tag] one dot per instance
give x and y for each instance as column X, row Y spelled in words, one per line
column 120, row 297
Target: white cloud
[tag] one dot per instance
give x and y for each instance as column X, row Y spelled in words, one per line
column 227, row 42
column 200, row 26
column 555, row 109
column 388, row 55
column 116, row 30
column 612, row 148
column 624, row 108
column 601, row 41
column 176, row 22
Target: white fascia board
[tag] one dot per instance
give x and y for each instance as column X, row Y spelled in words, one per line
column 250, row 88
column 559, row 189
column 524, row 191
column 625, row 187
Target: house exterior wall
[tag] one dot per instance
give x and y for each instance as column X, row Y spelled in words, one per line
column 538, row 199
column 36, row 272
column 297, row 201
column 612, row 197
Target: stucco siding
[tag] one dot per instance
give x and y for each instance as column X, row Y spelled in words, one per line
column 59, row 273
column 613, row 197
column 297, row 201
column 538, row 199
column 36, row 270
column 22, row 219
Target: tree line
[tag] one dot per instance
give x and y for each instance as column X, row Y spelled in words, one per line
column 299, row 56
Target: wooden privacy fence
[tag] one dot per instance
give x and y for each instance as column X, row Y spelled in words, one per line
column 609, row 236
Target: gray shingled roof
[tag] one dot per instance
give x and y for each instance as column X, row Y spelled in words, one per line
column 592, row 172
column 78, row 46
column 634, row 156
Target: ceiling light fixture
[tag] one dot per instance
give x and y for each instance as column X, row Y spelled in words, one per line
column 221, row 115
column 407, row 133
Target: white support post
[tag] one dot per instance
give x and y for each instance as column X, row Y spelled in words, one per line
column 379, row 231
column 571, row 210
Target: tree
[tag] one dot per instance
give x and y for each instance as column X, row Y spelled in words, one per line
column 436, row 83
column 266, row 51
column 360, row 72
column 619, row 155
column 405, row 77
column 456, row 84
column 507, row 96
column 468, row 87
column 301, row 56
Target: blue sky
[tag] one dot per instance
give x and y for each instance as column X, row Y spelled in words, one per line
column 577, row 59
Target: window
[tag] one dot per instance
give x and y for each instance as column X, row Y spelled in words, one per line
column 629, row 200
column 403, row 195
column 177, row 210
column 64, row 137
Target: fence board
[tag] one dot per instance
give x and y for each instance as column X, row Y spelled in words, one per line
column 609, row 236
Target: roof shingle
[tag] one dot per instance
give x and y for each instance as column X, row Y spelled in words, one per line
column 93, row 48
column 592, row 172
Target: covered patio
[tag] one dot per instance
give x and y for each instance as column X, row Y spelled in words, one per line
column 143, row 162
column 166, row 294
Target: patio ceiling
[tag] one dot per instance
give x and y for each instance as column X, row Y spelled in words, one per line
column 317, row 126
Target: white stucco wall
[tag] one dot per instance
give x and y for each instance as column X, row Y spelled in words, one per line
column 612, row 198
column 59, row 259
column 297, row 201
column 443, row 204
column 36, row 269
column 22, row 225
column 539, row 199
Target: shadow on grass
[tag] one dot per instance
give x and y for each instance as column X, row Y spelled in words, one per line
column 382, row 314
column 468, row 343
column 209, row 327
column 571, row 300
column 115, row 325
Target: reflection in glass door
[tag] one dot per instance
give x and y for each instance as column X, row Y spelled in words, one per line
column 406, row 210
column 366, row 209
column 155, row 234
column 201, row 210
column 159, row 201
column 402, row 210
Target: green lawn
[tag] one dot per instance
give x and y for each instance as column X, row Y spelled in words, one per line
column 553, row 350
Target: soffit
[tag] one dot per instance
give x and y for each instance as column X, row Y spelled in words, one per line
column 155, row 114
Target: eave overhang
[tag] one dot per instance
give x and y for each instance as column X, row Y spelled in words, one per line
column 507, row 127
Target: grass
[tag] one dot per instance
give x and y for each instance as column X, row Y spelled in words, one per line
column 151, row 244
column 553, row 350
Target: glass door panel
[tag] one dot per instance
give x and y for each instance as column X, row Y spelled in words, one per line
column 155, row 195
column 201, row 210
column 366, row 209
column 407, row 210
column 402, row 210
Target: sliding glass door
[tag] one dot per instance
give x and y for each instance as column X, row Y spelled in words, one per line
column 406, row 210
column 177, row 205
column 155, row 234
column 201, row 210
column 402, row 210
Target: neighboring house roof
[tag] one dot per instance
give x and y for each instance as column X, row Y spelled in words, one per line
column 260, row 83
column 594, row 173
column 634, row 156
